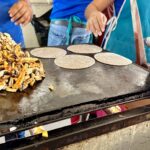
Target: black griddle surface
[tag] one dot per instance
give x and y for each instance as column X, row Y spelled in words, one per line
column 73, row 87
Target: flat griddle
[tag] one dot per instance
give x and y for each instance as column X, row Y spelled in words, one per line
column 73, row 87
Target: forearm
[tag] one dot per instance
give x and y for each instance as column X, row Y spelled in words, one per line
column 97, row 5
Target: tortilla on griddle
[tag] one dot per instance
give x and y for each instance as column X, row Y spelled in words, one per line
column 84, row 49
column 48, row 52
column 74, row 61
column 112, row 59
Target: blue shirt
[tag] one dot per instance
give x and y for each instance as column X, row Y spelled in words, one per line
column 118, row 4
column 64, row 9
column 5, row 23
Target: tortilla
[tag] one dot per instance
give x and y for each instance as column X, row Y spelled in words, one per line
column 74, row 61
column 48, row 52
column 84, row 49
column 112, row 59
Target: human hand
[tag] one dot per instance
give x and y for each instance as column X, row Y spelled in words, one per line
column 21, row 12
column 96, row 23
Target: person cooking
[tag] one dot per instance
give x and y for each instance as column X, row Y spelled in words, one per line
column 121, row 38
column 68, row 23
column 14, row 13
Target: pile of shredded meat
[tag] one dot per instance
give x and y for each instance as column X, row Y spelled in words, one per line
column 17, row 69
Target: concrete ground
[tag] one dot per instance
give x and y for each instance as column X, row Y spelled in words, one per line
column 136, row 137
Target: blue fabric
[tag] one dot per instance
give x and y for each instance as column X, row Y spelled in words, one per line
column 118, row 4
column 122, row 38
column 66, row 8
column 57, row 35
column 21, row 134
column 6, row 25
column 70, row 27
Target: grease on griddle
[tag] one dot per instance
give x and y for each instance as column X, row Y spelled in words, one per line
column 51, row 87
